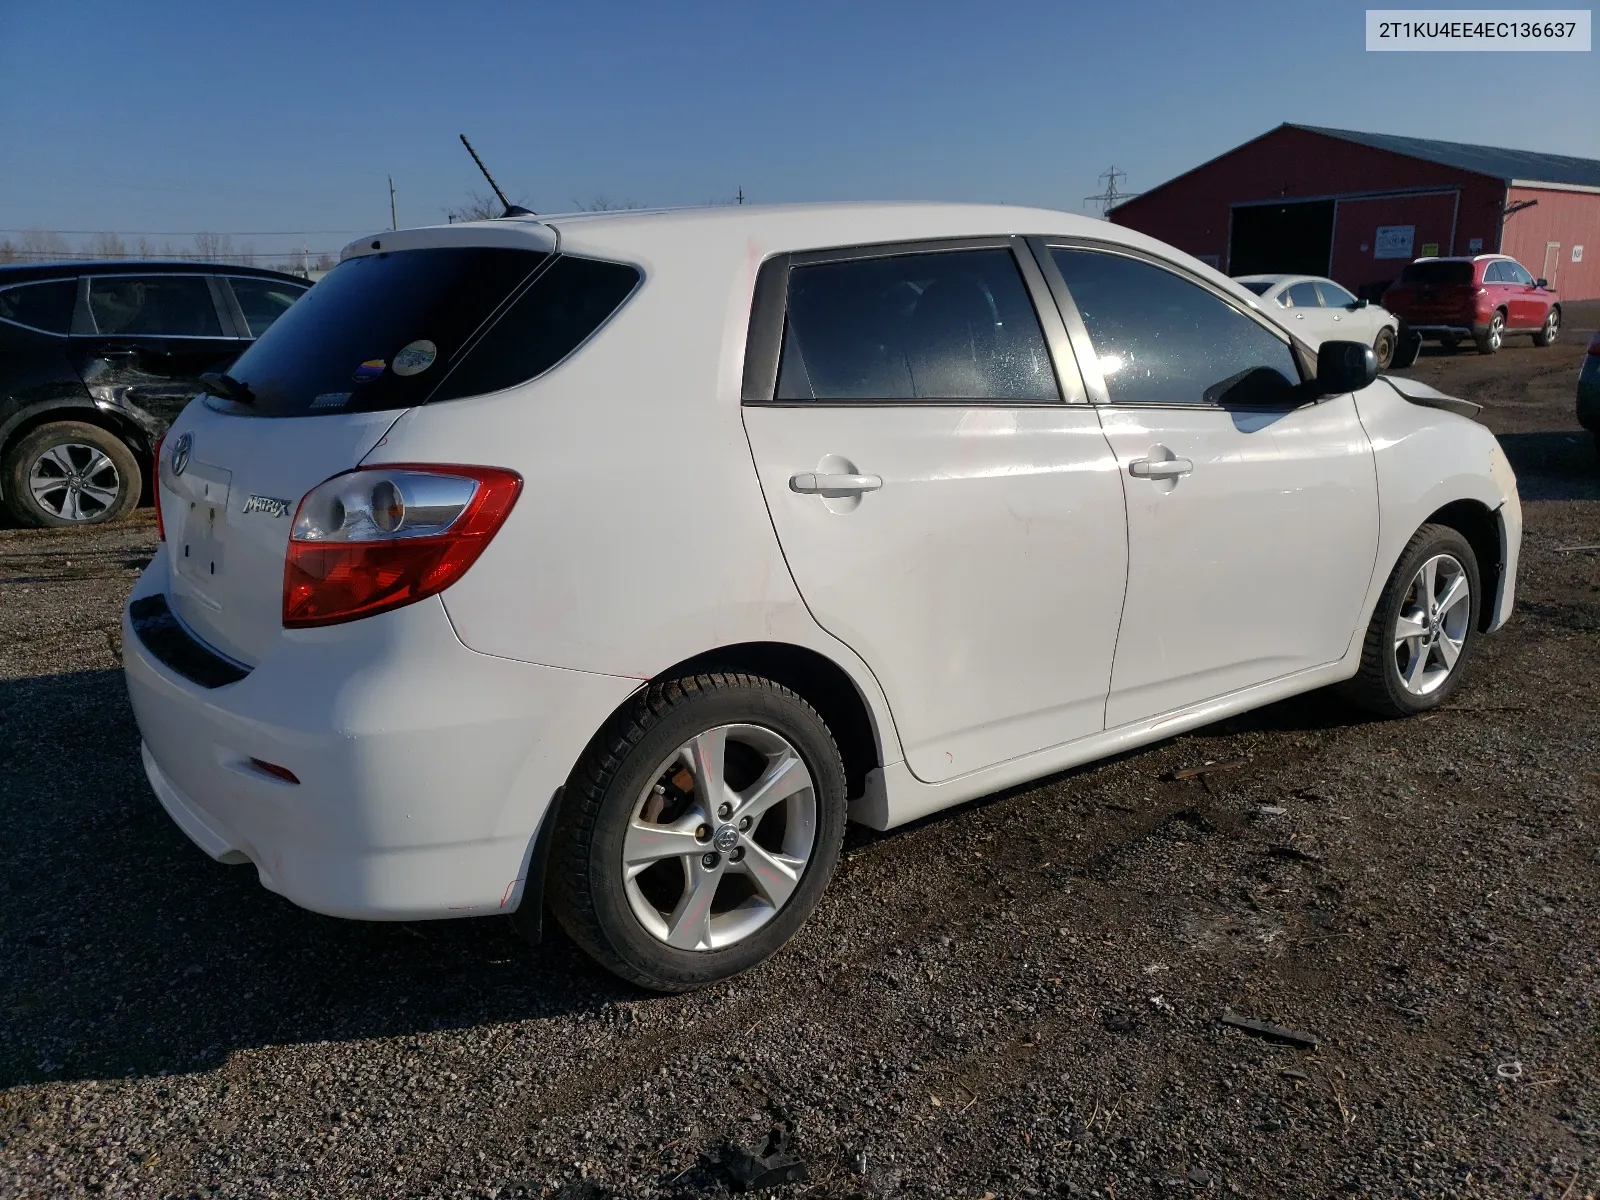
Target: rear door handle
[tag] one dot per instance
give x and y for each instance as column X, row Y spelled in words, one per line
column 1161, row 468
column 813, row 484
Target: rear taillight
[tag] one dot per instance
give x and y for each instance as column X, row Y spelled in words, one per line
column 382, row 537
column 155, row 486
column 1594, row 344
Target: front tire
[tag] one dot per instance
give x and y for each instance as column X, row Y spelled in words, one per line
column 1423, row 629
column 1383, row 347
column 70, row 473
column 699, row 830
column 1550, row 331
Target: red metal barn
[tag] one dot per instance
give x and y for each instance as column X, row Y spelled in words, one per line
column 1358, row 206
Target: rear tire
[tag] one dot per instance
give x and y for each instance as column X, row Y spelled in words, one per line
column 1383, row 346
column 97, row 473
column 1491, row 339
column 1407, row 346
column 669, row 783
column 1415, row 652
column 1550, row 330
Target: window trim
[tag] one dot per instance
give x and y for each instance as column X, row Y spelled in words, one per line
column 34, row 328
column 84, row 324
column 769, row 317
column 1083, row 346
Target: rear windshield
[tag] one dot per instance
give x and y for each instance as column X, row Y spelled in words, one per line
column 1255, row 285
column 1438, row 273
column 388, row 331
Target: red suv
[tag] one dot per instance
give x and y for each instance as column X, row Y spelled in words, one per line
column 1482, row 298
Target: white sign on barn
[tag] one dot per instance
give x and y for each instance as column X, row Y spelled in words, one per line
column 1394, row 241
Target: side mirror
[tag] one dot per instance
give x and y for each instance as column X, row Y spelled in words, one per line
column 1362, row 303
column 1345, row 367
column 1541, row 283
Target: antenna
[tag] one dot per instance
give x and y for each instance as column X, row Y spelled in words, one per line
column 1107, row 200
column 512, row 210
column 394, row 221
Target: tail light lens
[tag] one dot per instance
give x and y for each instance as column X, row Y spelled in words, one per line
column 378, row 538
column 155, row 486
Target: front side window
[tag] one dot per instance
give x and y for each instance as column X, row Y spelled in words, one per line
column 43, row 306
column 1303, row 295
column 1334, row 296
column 1515, row 272
column 946, row 325
column 153, row 306
column 1162, row 339
column 263, row 301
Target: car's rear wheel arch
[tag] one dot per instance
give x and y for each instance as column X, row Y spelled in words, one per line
column 131, row 436
column 815, row 678
column 1476, row 522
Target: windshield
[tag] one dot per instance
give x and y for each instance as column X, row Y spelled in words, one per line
column 1438, row 273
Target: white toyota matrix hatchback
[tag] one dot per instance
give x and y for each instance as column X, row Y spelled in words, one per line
column 612, row 562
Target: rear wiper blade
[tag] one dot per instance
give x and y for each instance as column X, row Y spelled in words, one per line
column 218, row 383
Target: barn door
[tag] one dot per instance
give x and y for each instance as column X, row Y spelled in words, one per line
column 1552, row 262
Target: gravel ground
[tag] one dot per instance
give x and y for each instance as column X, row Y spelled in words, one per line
column 1017, row 998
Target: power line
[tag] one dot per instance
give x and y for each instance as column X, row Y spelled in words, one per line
column 70, row 255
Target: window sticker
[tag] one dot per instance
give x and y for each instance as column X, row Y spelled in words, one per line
column 331, row 400
column 369, row 370
column 415, row 358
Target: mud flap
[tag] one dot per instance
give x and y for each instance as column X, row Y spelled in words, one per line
column 529, row 914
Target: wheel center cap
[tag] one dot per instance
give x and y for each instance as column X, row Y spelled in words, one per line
column 726, row 838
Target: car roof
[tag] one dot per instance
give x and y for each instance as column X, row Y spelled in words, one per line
column 1279, row 279
column 757, row 231
column 22, row 272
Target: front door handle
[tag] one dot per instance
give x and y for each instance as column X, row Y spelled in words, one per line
column 1159, row 468
column 811, row 483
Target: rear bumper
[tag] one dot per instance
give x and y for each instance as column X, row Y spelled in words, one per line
column 1449, row 329
column 424, row 767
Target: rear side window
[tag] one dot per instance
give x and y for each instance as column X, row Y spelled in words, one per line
column 1303, row 295
column 1438, row 274
column 263, row 301
column 43, row 306
column 387, row 331
column 153, row 306
column 1495, row 272
column 951, row 325
column 1161, row 339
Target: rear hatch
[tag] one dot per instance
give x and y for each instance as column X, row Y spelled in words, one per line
column 1433, row 292
column 392, row 326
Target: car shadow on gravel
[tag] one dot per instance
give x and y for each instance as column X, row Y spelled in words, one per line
column 124, row 950
column 1554, row 466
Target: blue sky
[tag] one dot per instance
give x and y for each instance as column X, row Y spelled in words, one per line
column 159, row 116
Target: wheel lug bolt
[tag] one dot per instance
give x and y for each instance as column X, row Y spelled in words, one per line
column 703, row 834
column 736, row 854
column 744, row 824
column 710, row 860
column 724, row 811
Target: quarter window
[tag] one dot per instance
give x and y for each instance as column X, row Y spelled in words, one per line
column 263, row 301
column 947, row 325
column 153, row 306
column 45, row 306
column 1161, row 339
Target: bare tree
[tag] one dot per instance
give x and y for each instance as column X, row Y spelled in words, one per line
column 144, row 249
column 8, row 251
column 604, row 204
column 477, row 207
column 43, row 244
column 213, row 247
column 325, row 262
column 107, row 245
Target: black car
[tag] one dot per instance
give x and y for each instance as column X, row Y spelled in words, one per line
column 1589, row 391
column 97, row 358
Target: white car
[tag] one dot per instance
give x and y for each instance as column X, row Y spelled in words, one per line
column 1319, row 309
column 614, row 561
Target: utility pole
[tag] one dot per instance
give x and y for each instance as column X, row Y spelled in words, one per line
column 394, row 221
column 1107, row 200
column 741, row 195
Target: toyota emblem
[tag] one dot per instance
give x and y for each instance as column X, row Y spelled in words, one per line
column 180, row 453
column 726, row 839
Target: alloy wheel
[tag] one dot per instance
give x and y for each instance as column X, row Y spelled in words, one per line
column 1552, row 327
column 74, row 481
column 1497, row 326
column 718, row 840
column 1431, row 628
